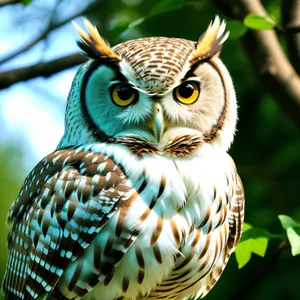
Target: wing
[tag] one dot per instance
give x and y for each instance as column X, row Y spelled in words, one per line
column 236, row 217
column 64, row 202
column 236, row 220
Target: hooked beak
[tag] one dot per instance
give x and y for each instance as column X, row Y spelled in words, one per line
column 158, row 123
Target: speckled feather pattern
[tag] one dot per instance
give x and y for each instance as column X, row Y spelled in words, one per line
column 89, row 225
column 63, row 204
column 156, row 61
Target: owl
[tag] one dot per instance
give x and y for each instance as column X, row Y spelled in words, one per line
column 140, row 200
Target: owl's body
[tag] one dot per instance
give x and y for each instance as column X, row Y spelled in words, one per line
column 140, row 200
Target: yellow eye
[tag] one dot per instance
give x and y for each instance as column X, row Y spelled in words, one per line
column 123, row 94
column 188, row 92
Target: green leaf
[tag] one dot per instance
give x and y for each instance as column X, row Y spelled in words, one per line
column 26, row 2
column 136, row 22
column 254, row 240
column 288, row 222
column 236, row 28
column 254, row 21
column 293, row 232
column 242, row 254
column 293, row 235
column 246, row 227
column 158, row 9
column 165, row 6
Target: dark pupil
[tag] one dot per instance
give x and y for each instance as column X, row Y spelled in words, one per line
column 124, row 92
column 186, row 90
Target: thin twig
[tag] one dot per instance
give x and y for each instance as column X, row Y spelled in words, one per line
column 261, row 273
column 290, row 29
column 51, row 20
column 7, row 2
column 51, row 27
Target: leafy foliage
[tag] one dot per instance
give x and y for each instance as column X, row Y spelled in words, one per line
column 236, row 29
column 26, row 2
column 293, row 232
column 158, row 9
column 254, row 21
column 294, row 239
column 166, row 6
column 254, row 240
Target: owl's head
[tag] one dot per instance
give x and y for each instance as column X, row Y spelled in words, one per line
column 166, row 94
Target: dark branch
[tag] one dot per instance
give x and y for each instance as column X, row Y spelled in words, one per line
column 7, row 2
column 261, row 274
column 290, row 16
column 51, row 27
column 44, row 69
column 267, row 57
column 291, row 29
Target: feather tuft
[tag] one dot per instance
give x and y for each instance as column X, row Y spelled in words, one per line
column 211, row 41
column 92, row 44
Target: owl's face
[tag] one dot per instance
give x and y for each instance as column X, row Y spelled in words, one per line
column 155, row 90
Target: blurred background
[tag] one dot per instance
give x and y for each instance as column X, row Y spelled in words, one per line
column 37, row 38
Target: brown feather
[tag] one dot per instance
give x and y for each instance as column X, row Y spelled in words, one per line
column 92, row 44
column 210, row 42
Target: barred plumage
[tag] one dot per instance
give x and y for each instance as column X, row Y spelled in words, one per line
column 140, row 200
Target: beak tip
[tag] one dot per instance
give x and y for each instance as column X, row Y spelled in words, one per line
column 158, row 122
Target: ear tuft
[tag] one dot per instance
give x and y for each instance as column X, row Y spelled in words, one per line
column 92, row 44
column 211, row 41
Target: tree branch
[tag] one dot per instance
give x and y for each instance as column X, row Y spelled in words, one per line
column 287, row 29
column 290, row 16
column 44, row 69
column 260, row 275
column 51, row 27
column 7, row 2
column 267, row 58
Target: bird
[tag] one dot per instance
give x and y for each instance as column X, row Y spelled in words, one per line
column 140, row 199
